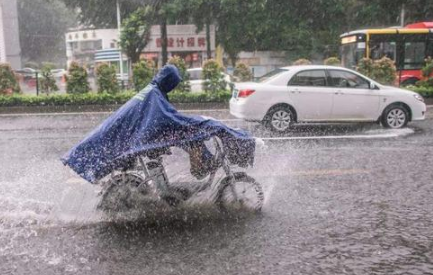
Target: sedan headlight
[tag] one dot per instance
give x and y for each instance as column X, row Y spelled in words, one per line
column 420, row 98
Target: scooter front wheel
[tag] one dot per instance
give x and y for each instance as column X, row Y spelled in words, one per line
column 241, row 192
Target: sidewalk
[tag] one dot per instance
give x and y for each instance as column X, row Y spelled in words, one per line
column 101, row 108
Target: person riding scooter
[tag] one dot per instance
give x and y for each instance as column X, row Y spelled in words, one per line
column 149, row 125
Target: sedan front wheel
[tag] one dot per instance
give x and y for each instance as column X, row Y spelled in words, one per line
column 395, row 117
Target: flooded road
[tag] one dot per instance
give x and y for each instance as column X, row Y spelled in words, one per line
column 332, row 206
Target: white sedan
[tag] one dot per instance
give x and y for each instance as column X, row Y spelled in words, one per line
column 323, row 94
column 196, row 79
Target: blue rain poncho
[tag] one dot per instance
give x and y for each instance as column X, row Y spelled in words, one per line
column 149, row 123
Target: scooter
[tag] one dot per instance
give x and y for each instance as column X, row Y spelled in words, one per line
column 147, row 178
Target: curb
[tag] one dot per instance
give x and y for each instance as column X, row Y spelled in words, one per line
column 109, row 108
column 103, row 108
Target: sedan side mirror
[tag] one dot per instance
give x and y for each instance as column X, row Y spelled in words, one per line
column 373, row 86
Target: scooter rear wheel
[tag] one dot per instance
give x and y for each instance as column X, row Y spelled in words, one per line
column 117, row 196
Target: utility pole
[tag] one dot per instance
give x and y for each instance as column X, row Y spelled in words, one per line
column 402, row 15
column 119, row 28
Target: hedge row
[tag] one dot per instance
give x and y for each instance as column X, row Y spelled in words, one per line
column 105, row 99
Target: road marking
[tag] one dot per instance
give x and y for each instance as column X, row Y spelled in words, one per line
column 387, row 135
column 336, row 172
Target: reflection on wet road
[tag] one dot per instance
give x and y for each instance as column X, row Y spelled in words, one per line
column 333, row 206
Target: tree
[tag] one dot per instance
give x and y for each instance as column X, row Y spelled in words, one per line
column 103, row 13
column 43, row 24
column 135, row 32
column 378, row 12
column 238, row 27
column 142, row 73
column 203, row 14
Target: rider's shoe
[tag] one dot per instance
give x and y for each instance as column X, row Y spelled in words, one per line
column 204, row 169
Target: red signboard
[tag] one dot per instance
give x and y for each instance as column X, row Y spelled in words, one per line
column 180, row 42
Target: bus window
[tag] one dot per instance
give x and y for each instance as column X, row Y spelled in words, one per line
column 383, row 49
column 429, row 52
column 414, row 55
column 351, row 54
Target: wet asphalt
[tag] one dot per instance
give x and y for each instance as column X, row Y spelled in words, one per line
column 360, row 205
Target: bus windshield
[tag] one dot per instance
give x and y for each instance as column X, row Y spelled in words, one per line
column 351, row 54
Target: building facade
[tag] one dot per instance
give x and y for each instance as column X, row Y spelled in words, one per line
column 10, row 49
column 90, row 46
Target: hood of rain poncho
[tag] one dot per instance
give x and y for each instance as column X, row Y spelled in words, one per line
column 167, row 79
column 149, row 123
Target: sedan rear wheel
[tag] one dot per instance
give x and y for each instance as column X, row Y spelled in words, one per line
column 280, row 119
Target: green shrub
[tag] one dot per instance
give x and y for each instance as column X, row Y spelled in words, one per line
column 213, row 77
column 427, row 70
column 76, row 81
column 242, row 72
column 106, row 79
column 8, row 80
column 47, row 81
column 426, row 83
column 332, row 61
column 302, row 61
column 385, row 71
column 142, row 73
column 382, row 70
column 184, row 86
column 186, row 97
column 365, row 67
column 106, row 99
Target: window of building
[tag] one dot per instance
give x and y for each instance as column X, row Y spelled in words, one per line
column 98, row 44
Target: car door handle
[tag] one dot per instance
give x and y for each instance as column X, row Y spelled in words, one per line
column 339, row 93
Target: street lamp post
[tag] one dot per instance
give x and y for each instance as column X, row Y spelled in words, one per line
column 119, row 28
